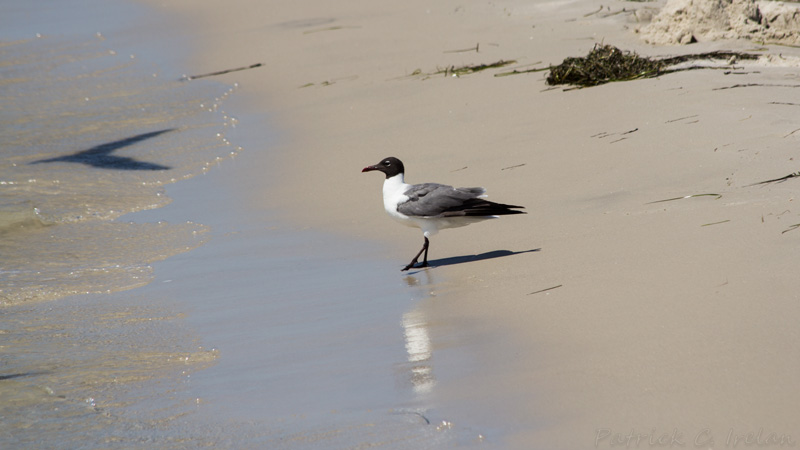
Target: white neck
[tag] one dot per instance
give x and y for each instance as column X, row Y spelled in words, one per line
column 394, row 189
column 394, row 185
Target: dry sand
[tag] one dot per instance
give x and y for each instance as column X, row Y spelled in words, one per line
column 677, row 317
column 687, row 21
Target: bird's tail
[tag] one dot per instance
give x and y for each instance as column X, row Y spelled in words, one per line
column 481, row 207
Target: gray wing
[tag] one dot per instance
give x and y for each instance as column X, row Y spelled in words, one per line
column 432, row 199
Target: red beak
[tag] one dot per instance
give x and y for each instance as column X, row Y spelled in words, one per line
column 368, row 168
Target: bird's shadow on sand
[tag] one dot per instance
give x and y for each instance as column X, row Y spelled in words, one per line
column 101, row 156
column 453, row 260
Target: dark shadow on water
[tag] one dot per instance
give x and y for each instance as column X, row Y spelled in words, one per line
column 101, row 157
column 433, row 263
column 20, row 375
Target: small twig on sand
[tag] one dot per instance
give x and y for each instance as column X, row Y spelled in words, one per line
column 513, row 167
column 721, row 54
column 517, row 71
column 715, row 223
column 464, row 70
column 457, row 71
column 757, row 85
column 221, row 72
column 682, row 118
column 606, row 134
column 718, row 196
column 476, row 49
column 545, row 290
column 793, row 132
column 777, row 180
column 791, row 227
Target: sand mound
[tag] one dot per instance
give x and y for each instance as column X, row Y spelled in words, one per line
column 688, row 21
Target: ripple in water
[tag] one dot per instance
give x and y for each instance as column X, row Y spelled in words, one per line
column 89, row 135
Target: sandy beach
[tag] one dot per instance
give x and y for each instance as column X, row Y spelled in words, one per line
column 647, row 299
column 665, row 318
column 630, row 304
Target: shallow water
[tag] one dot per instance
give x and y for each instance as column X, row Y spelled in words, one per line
column 320, row 346
column 263, row 336
column 82, row 373
column 91, row 132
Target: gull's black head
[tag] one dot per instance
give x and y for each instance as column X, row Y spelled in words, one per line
column 391, row 166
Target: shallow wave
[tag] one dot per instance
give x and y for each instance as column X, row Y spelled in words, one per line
column 90, row 134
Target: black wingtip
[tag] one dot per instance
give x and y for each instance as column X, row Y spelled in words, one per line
column 481, row 207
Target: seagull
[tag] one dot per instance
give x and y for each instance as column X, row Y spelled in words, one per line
column 431, row 206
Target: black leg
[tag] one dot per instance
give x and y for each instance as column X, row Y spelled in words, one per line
column 424, row 261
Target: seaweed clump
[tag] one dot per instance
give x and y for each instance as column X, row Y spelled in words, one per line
column 604, row 64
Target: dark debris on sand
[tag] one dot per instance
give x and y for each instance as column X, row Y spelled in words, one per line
column 606, row 63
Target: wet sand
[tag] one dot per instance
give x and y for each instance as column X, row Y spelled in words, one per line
column 269, row 335
column 672, row 317
column 307, row 325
